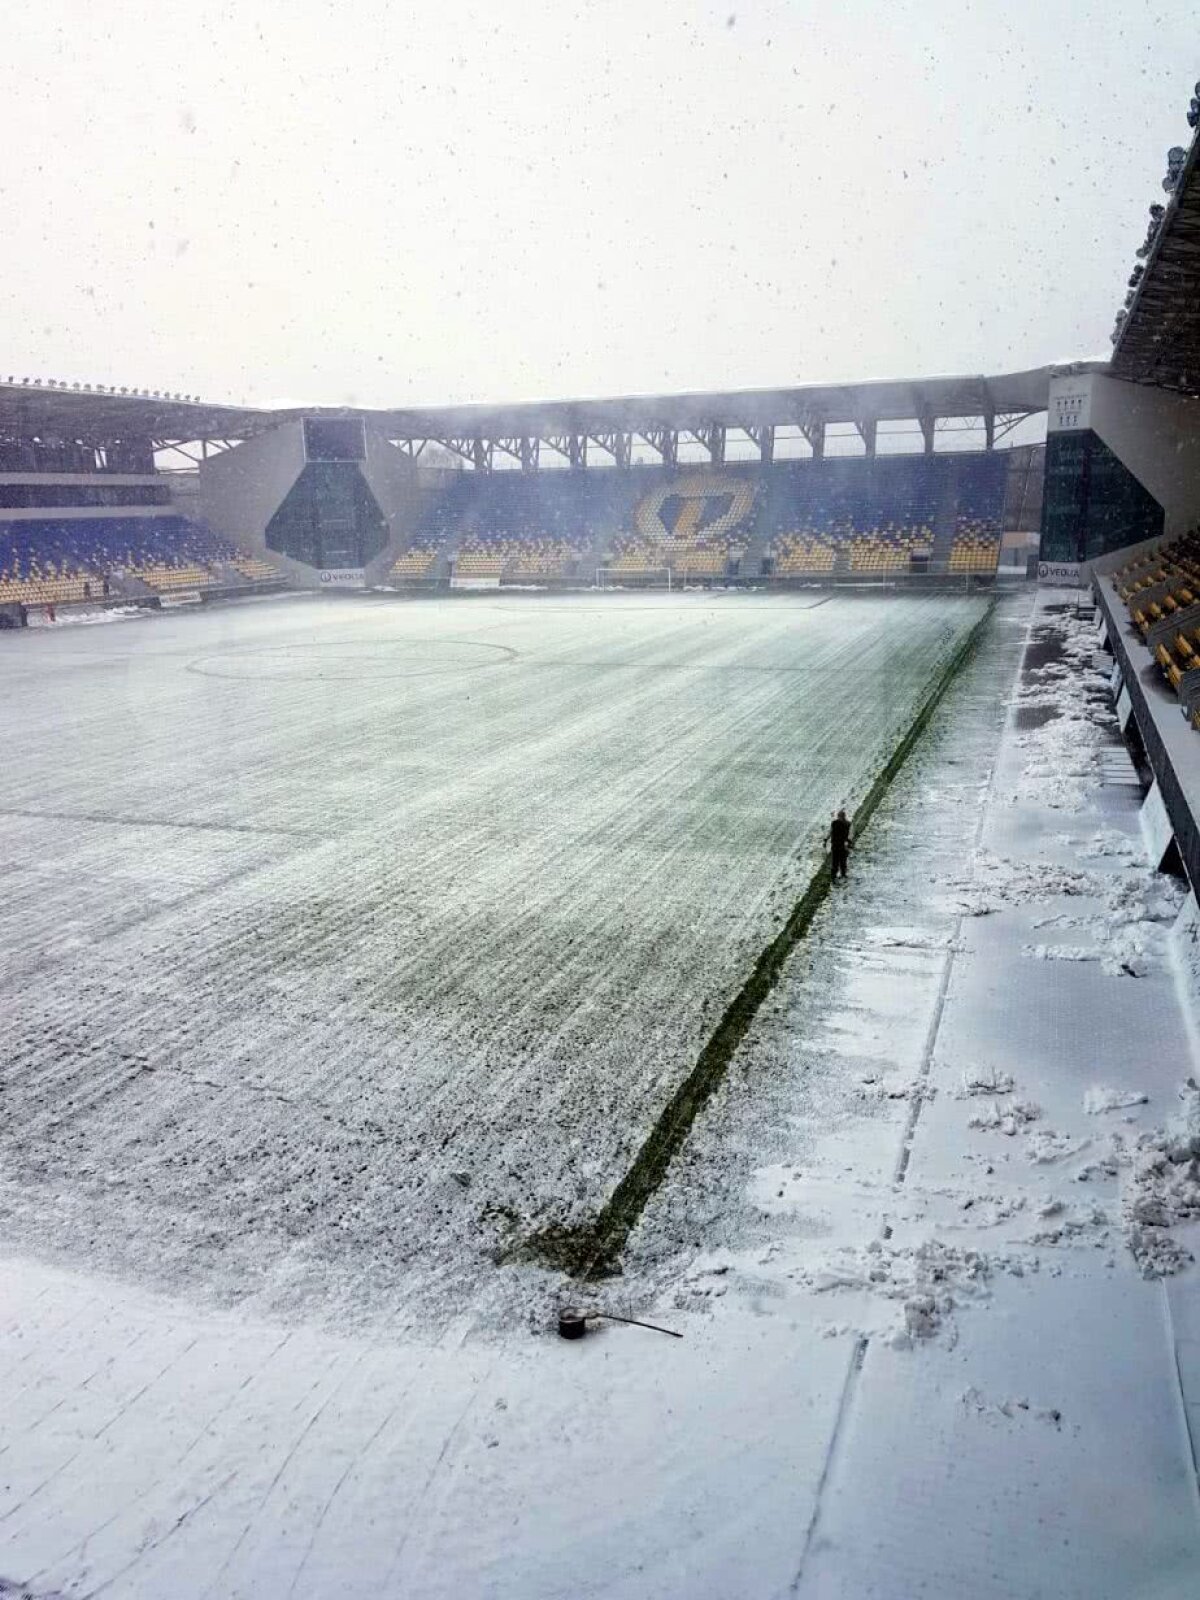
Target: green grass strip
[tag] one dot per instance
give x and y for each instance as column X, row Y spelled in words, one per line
column 594, row 1249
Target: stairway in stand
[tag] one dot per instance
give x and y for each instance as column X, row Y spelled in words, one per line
column 945, row 526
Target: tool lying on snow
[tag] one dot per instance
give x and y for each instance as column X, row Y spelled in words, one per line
column 572, row 1322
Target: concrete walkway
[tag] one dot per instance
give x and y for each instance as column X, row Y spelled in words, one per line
column 1044, row 1450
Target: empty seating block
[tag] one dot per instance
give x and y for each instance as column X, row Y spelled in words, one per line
column 414, row 563
column 696, row 557
column 253, row 567
column 796, row 554
column 47, row 591
column 506, row 556
column 48, row 561
column 636, row 557
column 971, row 555
column 163, row 578
column 1174, row 567
column 976, row 547
column 473, row 564
column 889, row 549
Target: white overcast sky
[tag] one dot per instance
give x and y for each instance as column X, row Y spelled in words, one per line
column 347, row 203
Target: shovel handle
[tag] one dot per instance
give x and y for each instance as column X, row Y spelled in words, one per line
column 611, row 1316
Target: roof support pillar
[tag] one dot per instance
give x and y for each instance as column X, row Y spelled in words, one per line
column 764, row 438
column 666, row 442
column 813, row 429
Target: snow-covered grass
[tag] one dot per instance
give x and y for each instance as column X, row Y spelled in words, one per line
column 344, row 945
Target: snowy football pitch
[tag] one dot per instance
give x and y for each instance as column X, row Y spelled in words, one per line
column 346, row 943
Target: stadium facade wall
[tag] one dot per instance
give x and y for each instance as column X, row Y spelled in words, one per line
column 1157, row 435
column 1122, row 467
column 241, row 488
column 394, row 481
column 244, row 489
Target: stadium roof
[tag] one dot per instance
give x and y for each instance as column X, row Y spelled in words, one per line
column 890, row 400
column 100, row 417
column 94, row 417
column 1158, row 341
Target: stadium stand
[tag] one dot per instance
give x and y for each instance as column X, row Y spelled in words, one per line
column 976, row 549
column 49, row 561
column 476, row 563
column 253, row 567
column 636, row 553
column 861, row 518
column 1160, row 589
column 978, row 518
column 849, row 516
column 796, row 554
column 517, row 558
column 889, row 549
column 413, row 564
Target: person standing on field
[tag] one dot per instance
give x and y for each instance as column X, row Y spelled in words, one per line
column 839, row 843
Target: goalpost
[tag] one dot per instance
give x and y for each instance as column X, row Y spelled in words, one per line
column 643, row 578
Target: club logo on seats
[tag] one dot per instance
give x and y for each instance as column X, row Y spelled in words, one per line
column 696, row 507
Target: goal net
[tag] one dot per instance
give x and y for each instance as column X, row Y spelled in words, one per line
column 641, row 578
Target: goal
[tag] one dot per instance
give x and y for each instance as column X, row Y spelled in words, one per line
column 643, row 578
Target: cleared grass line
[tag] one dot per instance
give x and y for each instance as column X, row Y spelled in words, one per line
column 594, row 1250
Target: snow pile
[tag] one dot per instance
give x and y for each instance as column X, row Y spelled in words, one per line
column 1000, row 881
column 1143, row 897
column 1007, row 1117
column 927, row 1282
column 1139, row 908
column 1065, row 767
column 1046, row 1145
column 985, row 1080
column 1162, row 1189
column 1065, row 749
column 1099, row 1099
column 1063, row 1223
column 1063, row 952
column 1002, row 1113
column 1106, row 844
column 881, row 1086
column 89, row 619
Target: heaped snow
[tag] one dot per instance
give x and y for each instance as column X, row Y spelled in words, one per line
column 346, row 943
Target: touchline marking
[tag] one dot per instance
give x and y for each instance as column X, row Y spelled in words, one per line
column 155, row 822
